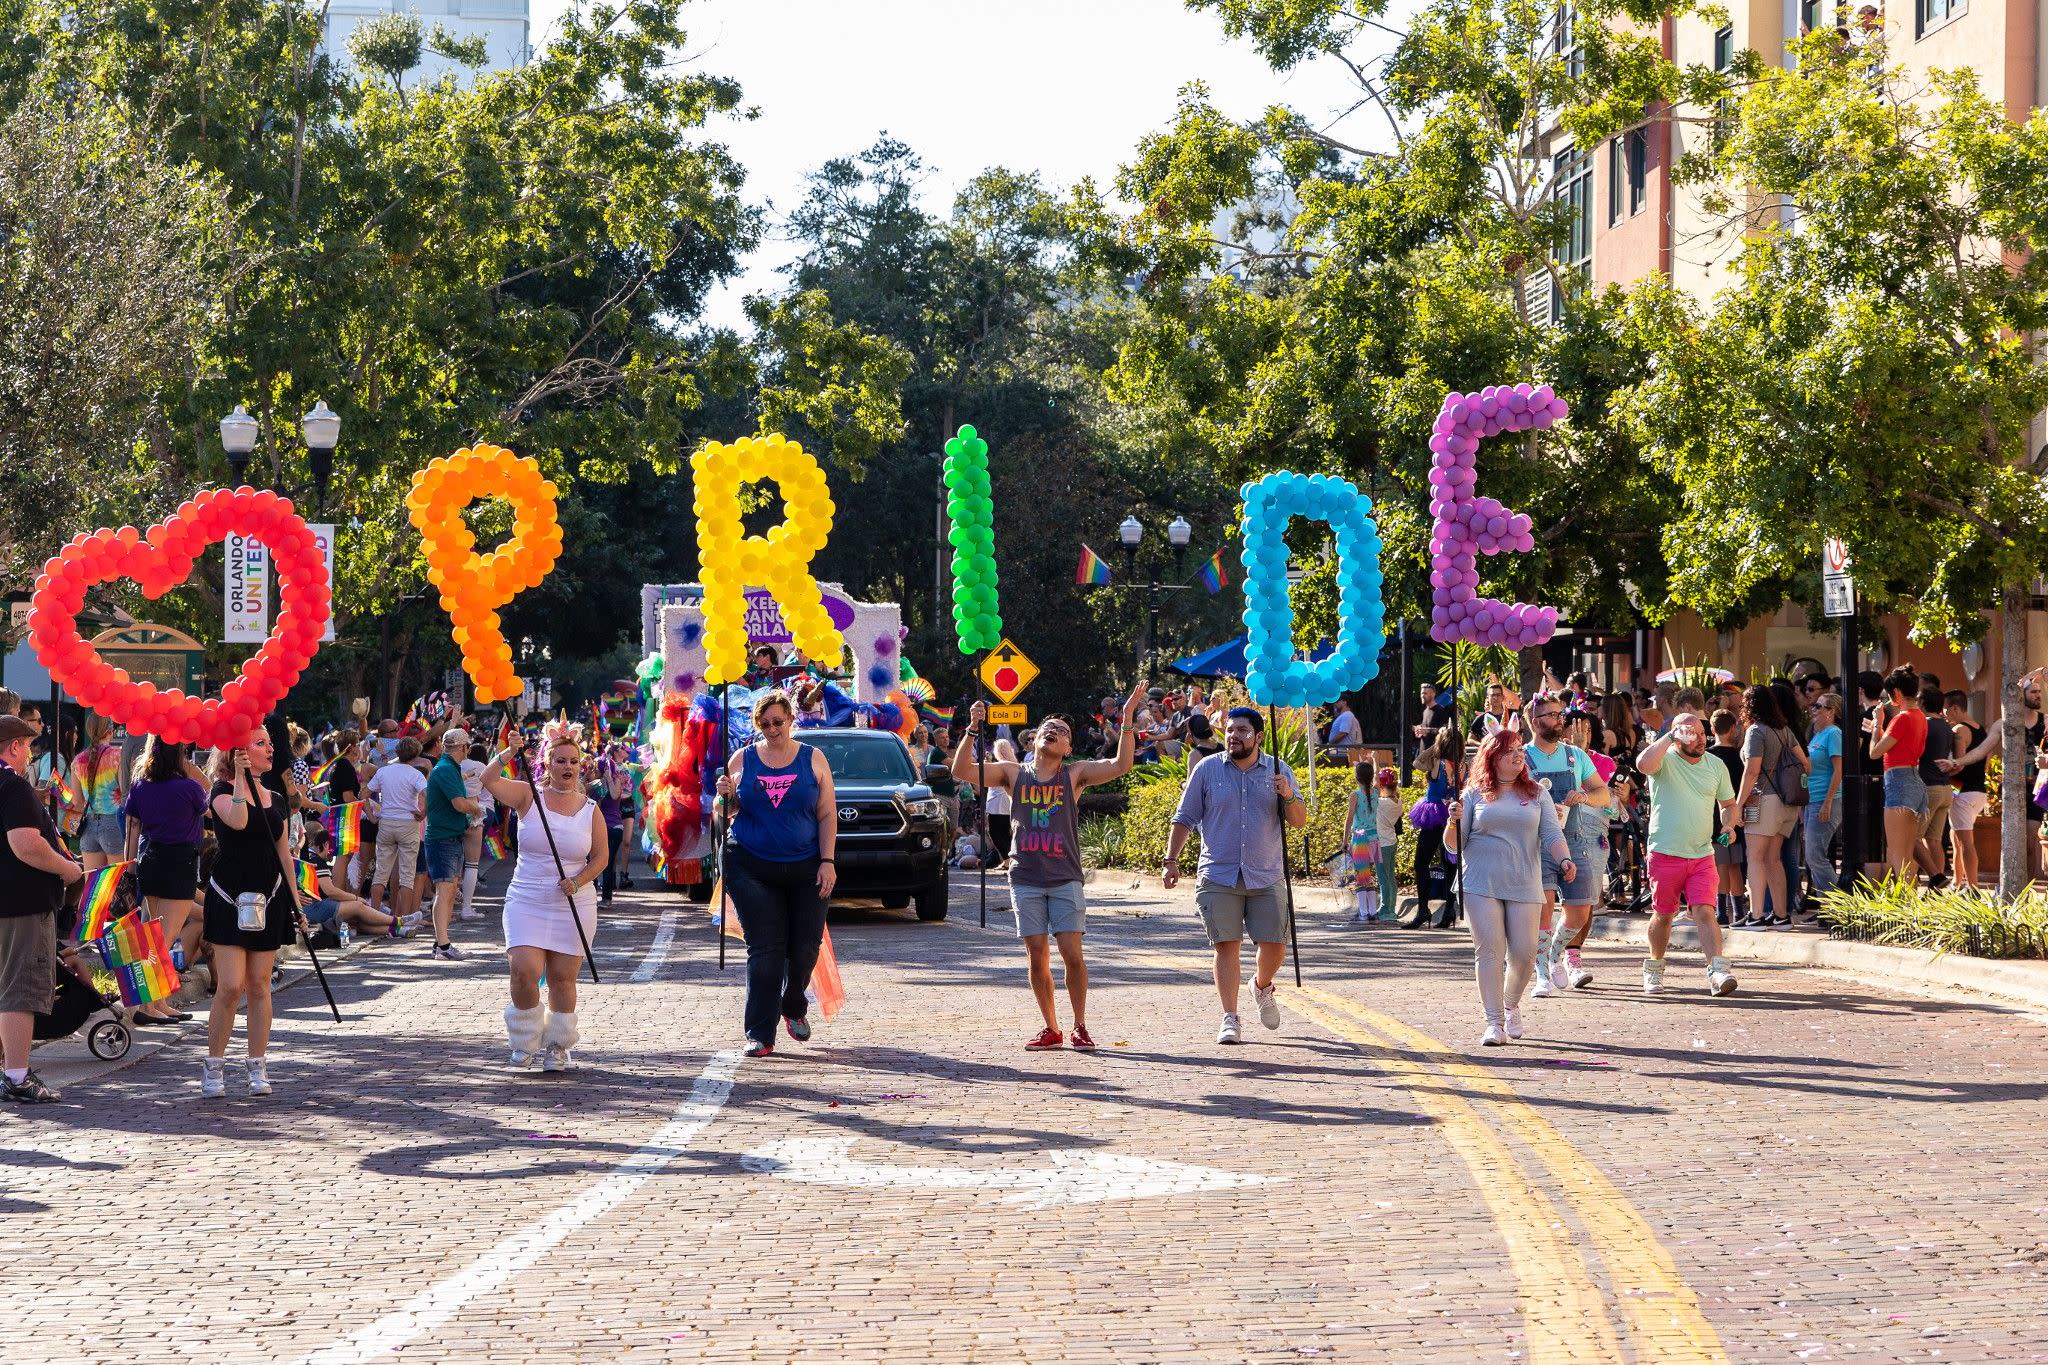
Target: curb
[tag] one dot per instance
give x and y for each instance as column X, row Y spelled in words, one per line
column 1909, row 969
column 1914, row 970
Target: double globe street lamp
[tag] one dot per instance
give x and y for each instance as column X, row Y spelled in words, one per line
column 1129, row 533
column 320, row 429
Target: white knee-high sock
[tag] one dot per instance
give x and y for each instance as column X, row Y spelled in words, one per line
column 468, row 887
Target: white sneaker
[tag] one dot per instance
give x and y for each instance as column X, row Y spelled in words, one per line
column 469, row 914
column 519, row 1061
column 213, row 1079
column 1581, row 978
column 1653, row 976
column 1541, row 989
column 1494, row 1036
column 1513, row 1023
column 1720, row 980
column 1227, row 1033
column 1268, row 1001
column 555, row 1058
column 259, row 1077
column 1560, row 974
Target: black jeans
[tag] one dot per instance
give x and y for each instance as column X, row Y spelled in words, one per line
column 784, row 920
column 615, row 837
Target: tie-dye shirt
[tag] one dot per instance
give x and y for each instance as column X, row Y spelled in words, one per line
column 98, row 775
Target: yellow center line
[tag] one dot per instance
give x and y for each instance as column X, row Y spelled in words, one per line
column 1563, row 1310
column 1664, row 1315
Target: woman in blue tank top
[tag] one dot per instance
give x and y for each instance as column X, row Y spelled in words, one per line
column 778, row 867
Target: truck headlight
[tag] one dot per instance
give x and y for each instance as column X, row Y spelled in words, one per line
column 924, row 810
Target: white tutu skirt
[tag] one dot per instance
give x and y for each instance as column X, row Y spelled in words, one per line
column 537, row 922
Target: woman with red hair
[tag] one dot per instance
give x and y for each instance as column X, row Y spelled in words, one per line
column 1500, row 829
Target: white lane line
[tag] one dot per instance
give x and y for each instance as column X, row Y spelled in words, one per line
column 437, row 1303
column 657, row 951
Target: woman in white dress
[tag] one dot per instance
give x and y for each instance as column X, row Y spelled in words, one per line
column 540, row 938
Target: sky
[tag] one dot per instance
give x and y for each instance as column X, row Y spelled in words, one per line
column 1062, row 87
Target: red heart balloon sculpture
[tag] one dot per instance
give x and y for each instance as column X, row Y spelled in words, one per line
column 160, row 561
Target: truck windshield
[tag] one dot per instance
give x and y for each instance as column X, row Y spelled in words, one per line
column 863, row 759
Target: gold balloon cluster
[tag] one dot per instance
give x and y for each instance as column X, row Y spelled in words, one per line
column 474, row 586
column 731, row 561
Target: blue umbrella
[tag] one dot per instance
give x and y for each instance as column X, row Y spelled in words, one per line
column 1227, row 660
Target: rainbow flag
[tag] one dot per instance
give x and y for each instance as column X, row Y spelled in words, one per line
column 309, row 881
column 140, row 960
column 1212, row 575
column 1091, row 571
column 344, row 824
column 498, row 839
column 936, row 715
column 320, row 773
column 96, row 903
column 68, row 790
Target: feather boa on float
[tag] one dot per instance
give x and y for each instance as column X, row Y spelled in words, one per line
column 691, row 743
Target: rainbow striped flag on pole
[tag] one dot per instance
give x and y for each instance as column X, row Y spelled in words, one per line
column 1212, row 575
column 498, row 839
column 344, row 824
column 1091, row 572
column 309, row 881
column 319, row 778
column 96, row 902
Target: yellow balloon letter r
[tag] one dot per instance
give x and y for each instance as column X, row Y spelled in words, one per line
column 730, row 561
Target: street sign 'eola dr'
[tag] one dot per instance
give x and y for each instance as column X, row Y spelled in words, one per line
column 1005, row 671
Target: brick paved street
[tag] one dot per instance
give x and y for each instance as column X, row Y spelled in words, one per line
column 1808, row 1171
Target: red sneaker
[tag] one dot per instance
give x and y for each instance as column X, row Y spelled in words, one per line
column 1047, row 1038
column 1081, row 1039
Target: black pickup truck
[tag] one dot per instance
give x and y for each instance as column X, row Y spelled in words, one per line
column 893, row 835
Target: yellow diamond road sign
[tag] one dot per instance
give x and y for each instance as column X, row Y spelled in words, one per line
column 1006, row 672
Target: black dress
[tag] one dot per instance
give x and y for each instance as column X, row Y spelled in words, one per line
column 246, row 860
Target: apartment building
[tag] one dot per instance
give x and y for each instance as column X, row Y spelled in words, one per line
column 1632, row 221
column 504, row 25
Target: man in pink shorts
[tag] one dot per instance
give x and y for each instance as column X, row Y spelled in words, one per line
column 1687, row 789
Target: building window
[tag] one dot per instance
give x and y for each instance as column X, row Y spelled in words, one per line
column 1724, row 46
column 1638, row 170
column 1573, row 183
column 1614, row 180
column 1929, row 15
column 1565, row 41
column 1809, row 15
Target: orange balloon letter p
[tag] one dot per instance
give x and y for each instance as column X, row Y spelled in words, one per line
column 474, row 586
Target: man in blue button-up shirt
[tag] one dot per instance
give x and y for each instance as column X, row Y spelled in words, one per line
column 1234, row 800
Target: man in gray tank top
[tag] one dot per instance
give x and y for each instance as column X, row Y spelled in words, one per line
column 1045, row 862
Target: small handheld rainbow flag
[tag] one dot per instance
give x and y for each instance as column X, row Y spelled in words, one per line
column 320, row 773
column 68, row 790
column 498, row 839
column 936, row 715
column 1212, row 575
column 140, row 960
column 96, row 903
column 344, row 824
column 1091, row 572
column 309, row 881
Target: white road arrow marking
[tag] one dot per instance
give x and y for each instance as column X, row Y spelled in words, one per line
column 1075, row 1177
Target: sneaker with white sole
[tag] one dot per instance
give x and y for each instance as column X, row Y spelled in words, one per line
column 448, row 952
column 1653, row 975
column 1560, row 974
column 519, row 1060
column 1720, row 980
column 259, row 1077
column 213, row 1078
column 1541, row 989
column 1268, row 1001
column 1495, row 1036
column 1512, row 1022
column 1227, row 1031
column 1580, row 977
column 555, row 1057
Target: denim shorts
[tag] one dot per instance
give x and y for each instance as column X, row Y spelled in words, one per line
column 1903, row 790
column 103, row 834
column 444, row 859
column 1049, row 909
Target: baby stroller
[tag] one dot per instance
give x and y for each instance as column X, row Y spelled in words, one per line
column 79, row 1004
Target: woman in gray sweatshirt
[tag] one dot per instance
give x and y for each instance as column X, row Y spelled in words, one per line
column 1500, row 829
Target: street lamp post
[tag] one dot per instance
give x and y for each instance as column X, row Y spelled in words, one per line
column 238, row 433
column 1129, row 534
column 321, row 431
